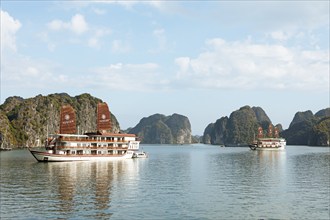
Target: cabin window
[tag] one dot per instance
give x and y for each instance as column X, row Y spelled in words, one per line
column 99, row 152
column 73, row 152
column 93, row 152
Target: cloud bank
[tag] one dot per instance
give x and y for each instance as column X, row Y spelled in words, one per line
column 9, row 27
column 248, row 65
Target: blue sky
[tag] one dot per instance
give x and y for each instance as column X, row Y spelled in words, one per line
column 201, row 59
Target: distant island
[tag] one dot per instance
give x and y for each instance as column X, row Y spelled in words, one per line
column 240, row 128
column 161, row 129
column 237, row 129
column 310, row 129
column 26, row 122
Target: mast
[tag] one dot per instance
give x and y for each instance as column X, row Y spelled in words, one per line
column 67, row 120
column 103, row 117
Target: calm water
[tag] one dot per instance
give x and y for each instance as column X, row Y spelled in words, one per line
column 176, row 182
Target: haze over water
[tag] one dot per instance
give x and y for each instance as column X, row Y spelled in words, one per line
column 175, row 182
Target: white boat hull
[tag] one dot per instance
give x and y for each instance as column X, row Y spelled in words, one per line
column 43, row 156
column 265, row 144
column 270, row 148
column 140, row 155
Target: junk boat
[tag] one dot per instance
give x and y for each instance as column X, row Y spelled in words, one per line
column 98, row 146
column 270, row 142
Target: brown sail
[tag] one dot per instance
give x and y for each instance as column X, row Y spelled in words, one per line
column 103, row 117
column 270, row 131
column 68, row 120
column 260, row 133
column 276, row 133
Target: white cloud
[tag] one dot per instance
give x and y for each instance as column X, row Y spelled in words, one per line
column 162, row 44
column 95, row 40
column 280, row 35
column 77, row 24
column 119, row 46
column 9, row 27
column 22, row 72
column 129, row 5
column 127, row 77
column 272, row 15
column 249, row 65
column 99, row 11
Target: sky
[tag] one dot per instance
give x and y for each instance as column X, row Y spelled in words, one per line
column 200, row 59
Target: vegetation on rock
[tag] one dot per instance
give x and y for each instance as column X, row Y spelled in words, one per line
column 309, row 129
column 26, row 122
column 161, row 129
column 239, row 129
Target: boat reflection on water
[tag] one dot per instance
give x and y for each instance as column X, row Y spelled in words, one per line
column 275, row 163
column 88, row 186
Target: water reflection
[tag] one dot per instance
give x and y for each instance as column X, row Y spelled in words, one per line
column 198, row 182
column 87, row 186
column 309, row 172
column 247, row 180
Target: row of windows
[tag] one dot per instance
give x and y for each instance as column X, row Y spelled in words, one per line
column 95, row 152
column 94, row 139
column 65, row 144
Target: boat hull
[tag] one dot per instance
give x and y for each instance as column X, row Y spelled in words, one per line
column 43, row 156
column 140, row 155
column 267, row 148
column 268, row 144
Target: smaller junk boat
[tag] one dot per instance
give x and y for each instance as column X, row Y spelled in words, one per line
column 95, row 146
column 270, row 142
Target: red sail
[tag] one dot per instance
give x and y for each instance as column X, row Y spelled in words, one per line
column 67, row 120
column 270, row 131
column 103, row 117
column 276, row 132
column 260, row 133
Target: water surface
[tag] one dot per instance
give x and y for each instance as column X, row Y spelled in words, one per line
column 175, row 182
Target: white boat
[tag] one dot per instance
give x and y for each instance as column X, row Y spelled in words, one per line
column 140, row 154
column 271, row 142
column 99, row 146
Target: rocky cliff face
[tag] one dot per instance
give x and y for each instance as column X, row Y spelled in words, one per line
column 25, row 122
column 239, row 128
column 161, row 129
column 309, row 129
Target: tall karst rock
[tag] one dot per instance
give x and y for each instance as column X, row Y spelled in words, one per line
column 239, row 128
column 161, row 129
column 309, row 129
column 25, row 122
